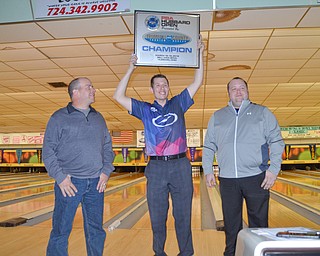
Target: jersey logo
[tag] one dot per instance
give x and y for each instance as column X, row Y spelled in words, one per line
column 166, row 120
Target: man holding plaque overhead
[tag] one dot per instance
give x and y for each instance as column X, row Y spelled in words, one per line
column 168, row 171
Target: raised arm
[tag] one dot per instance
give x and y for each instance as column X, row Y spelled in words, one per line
column 198, row 75
column 120, row 93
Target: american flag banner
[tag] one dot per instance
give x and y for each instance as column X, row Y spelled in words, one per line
column 122, row 137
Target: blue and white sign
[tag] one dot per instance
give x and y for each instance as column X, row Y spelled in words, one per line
column 166, row 39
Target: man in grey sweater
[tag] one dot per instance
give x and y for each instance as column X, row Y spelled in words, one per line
column 245, row 137
column 77, row 153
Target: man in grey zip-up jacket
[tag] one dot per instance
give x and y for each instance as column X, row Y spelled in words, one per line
column 245, row 137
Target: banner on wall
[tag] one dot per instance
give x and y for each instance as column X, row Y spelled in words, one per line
column 21, row 138
column 140, row 139
column 68, row 8
column 300, row 132
column 193, row 137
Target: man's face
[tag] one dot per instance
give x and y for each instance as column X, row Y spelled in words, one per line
column 160, row 88
column 86, row 92
column 238, row 92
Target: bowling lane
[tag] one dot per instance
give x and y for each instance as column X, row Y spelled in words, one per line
column 20, row 176
column 40, row 187
column 46, row 185
column 309, row 173
column 16, row 184
column 113, row 203
column 282, row 216
column 304, row 195
column 12, row 181
column 27, row 206
column 310, row 180
column 279, row 215
column 144, row 222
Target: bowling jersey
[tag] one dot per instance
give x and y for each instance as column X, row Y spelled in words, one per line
column 164, row 127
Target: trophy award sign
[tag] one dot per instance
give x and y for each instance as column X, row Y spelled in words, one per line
column 166, row 39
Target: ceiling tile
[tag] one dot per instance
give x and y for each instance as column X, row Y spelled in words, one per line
column 95, row 26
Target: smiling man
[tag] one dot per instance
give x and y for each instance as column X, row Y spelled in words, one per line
column 168, row 171
column 77, row 153
column 245, row 137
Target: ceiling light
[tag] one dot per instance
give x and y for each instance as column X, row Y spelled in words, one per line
column 210, row 56
column 124, row 46
column 235, row 67
column 223, row 16
column 7, row 48
column 58, row 84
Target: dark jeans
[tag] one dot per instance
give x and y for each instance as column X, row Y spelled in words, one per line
column 233, row 191
column 174, row 177
column 63, row 215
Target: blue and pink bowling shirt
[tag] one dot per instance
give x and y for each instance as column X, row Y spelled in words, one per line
column 164, row 127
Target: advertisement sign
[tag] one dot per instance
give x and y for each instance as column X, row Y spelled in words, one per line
column 193, row 137
column 300, row 132
column 21, row 138
column 67, row 8
column 166, row 39
column 140, row 139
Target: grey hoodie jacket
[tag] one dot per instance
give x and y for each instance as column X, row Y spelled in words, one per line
column 244, row 141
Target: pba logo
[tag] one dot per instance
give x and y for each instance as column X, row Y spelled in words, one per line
column 152, row 22
column 165, row 38
column 166, row 120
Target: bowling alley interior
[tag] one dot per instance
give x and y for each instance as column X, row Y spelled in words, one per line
column 273, row 45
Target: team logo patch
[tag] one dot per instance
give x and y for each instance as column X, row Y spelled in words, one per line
column 166, row 120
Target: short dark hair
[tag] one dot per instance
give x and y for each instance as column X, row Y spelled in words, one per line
column 239, row 78
column 74, row 84
column 158, row 76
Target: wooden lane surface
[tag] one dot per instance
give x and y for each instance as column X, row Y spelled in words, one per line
column 27, row 206
column 24, row 182
column 113, row 203
column 309, row 173
column 24, row 207
column 18, row 176
column 27, row 190
column 136, row 241
column 281, row 216
column 203, row 239
column 309, row 180
column 305, row 196
column 33, row 241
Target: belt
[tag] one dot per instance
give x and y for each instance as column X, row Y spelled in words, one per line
column 167, row 158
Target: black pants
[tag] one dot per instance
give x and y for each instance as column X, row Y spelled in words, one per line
column 233, row 191
column 172, row 177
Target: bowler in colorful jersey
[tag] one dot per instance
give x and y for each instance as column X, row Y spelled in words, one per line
column 168, row 171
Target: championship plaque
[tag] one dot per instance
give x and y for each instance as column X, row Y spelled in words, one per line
column 166, row 39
